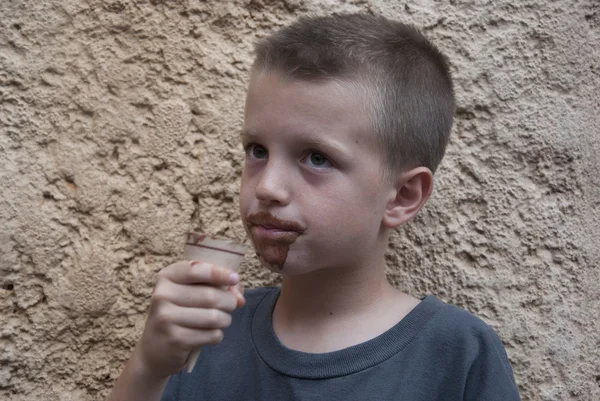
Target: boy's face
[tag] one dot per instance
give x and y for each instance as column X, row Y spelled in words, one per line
column 312, row 194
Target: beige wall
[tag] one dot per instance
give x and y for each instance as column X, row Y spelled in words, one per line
column 118, row 133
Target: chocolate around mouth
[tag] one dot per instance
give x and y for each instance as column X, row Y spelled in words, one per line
column 274, row 256
column 273, row 249
column 267, row 220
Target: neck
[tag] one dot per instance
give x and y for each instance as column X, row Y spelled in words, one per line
column 335, row 292
column 334, row 308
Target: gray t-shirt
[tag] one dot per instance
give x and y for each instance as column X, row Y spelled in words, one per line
column 437, row 352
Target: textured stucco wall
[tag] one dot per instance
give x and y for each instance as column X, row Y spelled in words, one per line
column 118, row 133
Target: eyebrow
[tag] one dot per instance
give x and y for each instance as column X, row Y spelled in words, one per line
column 245, row 134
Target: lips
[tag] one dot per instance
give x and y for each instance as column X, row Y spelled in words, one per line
column 273, row 229
column 274, row 234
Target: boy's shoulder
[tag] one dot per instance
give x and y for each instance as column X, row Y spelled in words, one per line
column 458, row 321
column 458, row 334
column 455, row 324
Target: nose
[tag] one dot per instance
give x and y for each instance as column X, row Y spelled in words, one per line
column 273, row 187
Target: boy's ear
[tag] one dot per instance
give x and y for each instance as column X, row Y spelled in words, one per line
column 411, row 190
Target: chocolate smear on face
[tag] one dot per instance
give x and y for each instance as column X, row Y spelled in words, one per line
column 272, row 255
column 273, row 251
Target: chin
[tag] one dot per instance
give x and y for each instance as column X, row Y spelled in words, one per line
column 289, row 268
column 285, row 270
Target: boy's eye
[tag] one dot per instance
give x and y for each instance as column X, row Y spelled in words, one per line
column 256, row 151
column 316, row 159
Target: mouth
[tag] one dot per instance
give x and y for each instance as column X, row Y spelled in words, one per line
column 269, row 227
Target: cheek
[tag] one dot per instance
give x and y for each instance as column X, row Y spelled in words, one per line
column 337, row 216
column 351, row 211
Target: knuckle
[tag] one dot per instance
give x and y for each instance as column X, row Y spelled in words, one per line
column 227, row 320
column 159, row 294
column 214, row 318
column 161, row 275
column 177, row 339
column 165, row 273
column 197, row 268
column 210, row 296
column 231, row 302
column 162, row 318
column 218, row 274
column 215, row 336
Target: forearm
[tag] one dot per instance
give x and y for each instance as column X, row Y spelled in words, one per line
column 137, row 384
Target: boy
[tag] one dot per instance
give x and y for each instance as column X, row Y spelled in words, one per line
column 346, row 119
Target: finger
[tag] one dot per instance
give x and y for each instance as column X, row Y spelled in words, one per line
column 241, row 288
column 194, row 318
column 189, row 339
column 238, row 291
column 195, row 296
column 194, row 272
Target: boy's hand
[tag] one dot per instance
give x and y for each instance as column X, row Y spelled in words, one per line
column 190, row 306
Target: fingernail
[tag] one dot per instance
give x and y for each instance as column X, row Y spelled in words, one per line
column 234, row 278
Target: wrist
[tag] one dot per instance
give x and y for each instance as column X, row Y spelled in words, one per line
column 138, row 382
column 142, row 369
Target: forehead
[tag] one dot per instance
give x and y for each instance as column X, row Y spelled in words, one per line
column 276, row 105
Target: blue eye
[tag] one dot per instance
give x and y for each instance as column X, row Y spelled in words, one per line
column 316, row 159
column 256, row 151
